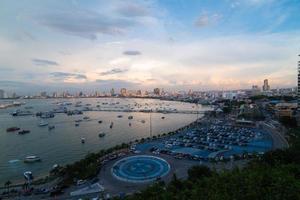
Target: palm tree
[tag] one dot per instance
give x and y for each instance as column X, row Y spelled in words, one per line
column 7, row 184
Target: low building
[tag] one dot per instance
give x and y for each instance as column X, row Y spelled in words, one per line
column 285, row 109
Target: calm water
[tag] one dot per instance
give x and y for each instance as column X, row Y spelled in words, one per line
column 63, row 144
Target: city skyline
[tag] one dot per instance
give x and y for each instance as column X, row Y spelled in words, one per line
column 99, row 45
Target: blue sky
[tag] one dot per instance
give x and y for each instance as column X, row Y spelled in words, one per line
column 174, row 44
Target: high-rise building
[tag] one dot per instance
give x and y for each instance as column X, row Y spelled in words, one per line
column 156, row 91
column 266, row 86
column 43, row 94
column 139, row 92
column 123, row 92
column 298, row 91
column 112, row 92
column 1, row 94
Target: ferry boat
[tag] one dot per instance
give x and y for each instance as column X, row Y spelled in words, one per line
column 32, row 159
column 23, row 132
column 12, row 129
column 43, row 123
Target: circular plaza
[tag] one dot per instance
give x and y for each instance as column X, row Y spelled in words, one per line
column 141, row 168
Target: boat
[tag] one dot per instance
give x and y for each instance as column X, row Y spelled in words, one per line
column 82, row 140
column 129, row 124
column 28, row 175
column 99, row 121
column 86, row 118
column 101, row 135
column 111, row 125
column 43, row 123
column 23, row 132
column 51, row 128
column 78, row 120
column 120, row 116
column 143, row 121
column 130, row 117
column 21, row 113
column 163, row 117
column 12, row 129
column 76, row 124
column 47, row 115
column 32, row 159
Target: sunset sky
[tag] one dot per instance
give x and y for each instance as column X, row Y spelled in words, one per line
column 171, row 44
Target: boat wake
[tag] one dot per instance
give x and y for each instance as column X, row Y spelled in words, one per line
column 14, row 161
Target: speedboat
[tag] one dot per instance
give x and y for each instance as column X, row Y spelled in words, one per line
column 23, row 132
column 43, row 123
column 32, row 159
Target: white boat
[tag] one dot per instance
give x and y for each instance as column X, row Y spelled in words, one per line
column 28, row 175
column 43, row 123
column 31, row 159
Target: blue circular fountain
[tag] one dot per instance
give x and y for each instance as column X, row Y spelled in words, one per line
column 140, row 168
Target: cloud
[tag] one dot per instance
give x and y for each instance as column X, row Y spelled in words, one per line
column 43, row 62
column 84, row 23
column 132, row 53
column 113, row 71
column 66, row 75
column 206, row 20
column 132, row 10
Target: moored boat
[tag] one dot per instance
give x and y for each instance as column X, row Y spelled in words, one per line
column 12, row 129
column 101, row 135
column 43, row 123
column 32, row 159
column 23, row 132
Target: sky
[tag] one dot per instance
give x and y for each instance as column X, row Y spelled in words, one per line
column 141, row 44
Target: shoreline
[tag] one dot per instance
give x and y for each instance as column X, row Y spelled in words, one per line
column 19, row 182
